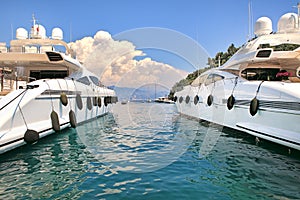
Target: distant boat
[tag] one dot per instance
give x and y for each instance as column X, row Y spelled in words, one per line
column 164, row 100
column 123, row 102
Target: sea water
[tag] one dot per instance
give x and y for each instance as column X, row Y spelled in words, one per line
column 149, row 151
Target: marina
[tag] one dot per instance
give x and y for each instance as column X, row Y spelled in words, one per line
column 67, row 165
column 110, row 101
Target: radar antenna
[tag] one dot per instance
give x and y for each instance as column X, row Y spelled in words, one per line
column 35, row 29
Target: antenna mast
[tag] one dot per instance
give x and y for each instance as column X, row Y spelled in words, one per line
column 33, row 19
column 298, row 6
column 249, row 20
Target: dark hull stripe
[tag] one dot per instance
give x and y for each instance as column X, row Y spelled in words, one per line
column 239, row 126
column 283, row 105
column 268, row 135
column 19, row 139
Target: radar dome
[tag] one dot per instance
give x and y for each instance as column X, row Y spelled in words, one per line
column 263, row 26
column 57, row 34
column 21, row 33
column 38, row 31
column 288, row 23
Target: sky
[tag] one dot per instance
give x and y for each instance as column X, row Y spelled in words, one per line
column 190, row 28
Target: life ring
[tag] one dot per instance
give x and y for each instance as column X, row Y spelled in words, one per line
column 99, row 101
column 180, row 99
column 89, row 103
column 79, row 101
column 64, row 99
column 187, row 99
column 298, row 72
column 72, row 118
column 230, row 102
column 210, row 100
column 31, row 136
column 254, row 104
column 196, row 99
column 55, row 121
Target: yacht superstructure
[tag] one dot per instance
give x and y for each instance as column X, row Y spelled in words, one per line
column 45, row 88
column 258, row 90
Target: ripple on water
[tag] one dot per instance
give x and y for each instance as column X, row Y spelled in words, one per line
column 145, row 151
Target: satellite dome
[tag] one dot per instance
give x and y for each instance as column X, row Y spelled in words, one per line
column 57, row 34
column 288, row 23
column 21, row 33
column 263, row 26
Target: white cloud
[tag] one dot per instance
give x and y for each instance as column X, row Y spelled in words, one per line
column 113, row 61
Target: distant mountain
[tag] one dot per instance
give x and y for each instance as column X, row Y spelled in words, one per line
column 144, row 93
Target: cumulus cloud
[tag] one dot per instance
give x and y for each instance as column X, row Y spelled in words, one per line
column 114, row 62
column 147, row 71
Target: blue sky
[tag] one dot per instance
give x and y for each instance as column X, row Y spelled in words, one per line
column 214, row 24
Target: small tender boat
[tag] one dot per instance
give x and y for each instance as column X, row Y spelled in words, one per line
column 164, row 100
column 45, row 89
column 123, row 102
column 257, row 91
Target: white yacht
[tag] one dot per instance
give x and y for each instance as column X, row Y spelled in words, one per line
column 257, row 91
column 44, row 89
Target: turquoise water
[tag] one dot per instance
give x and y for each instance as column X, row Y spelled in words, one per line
column 148, row 151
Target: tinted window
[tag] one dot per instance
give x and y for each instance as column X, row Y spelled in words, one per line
column 198, row 81
column 213, row 78
column 266, row 74
column 84, row 80
column 95, row 80
column 209, row 79
column 263, row 54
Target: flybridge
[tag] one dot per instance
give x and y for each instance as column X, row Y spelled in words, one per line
column 37, row 41
column 268, row 45
column 38, row 32
column 34, row 56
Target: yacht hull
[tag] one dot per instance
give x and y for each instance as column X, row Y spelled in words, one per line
column 49, row 106
column 278, row 112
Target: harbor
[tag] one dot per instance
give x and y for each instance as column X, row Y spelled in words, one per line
column 150, row 100
column 130, row 161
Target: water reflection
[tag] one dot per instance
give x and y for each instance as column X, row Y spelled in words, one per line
column 137, row 138
column 43, row 170
column 247, row 170
column 114, row 158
